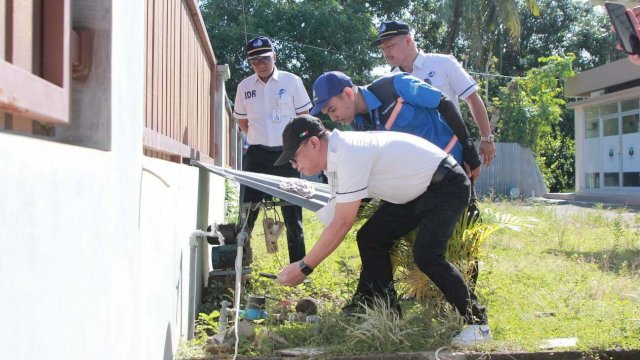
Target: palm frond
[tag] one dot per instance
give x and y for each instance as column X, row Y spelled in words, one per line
column 533, row 7
column 509, row 17
column 508, row 221
column 464, row 250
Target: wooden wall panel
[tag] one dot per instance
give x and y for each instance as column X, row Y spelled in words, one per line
column 179, row 74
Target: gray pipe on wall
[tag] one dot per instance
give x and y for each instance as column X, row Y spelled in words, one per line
column 198, row 279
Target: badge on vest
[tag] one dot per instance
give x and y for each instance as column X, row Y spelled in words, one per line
column 275, row 118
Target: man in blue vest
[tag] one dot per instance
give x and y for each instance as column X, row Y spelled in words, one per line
column 397, row 102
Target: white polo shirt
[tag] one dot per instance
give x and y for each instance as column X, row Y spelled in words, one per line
column 388, row 165
column 445, row 73
column 269, row 106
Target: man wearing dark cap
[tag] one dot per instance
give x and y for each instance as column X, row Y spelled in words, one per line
column 443, row 72
column 422, row 188
column 397, row 102
column 265, row 102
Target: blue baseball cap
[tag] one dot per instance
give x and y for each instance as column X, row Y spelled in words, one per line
column 259, row 46
column 327, row 86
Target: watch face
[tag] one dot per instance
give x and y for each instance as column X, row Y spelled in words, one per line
column 305, row 268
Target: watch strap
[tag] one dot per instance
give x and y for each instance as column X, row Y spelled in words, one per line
column 490, row 138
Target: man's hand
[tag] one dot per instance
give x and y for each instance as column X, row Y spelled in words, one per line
column 634, row 58
column 472, row 174
column 487, row 152
column 244, row 125
column 480, row 116
column 291, row 275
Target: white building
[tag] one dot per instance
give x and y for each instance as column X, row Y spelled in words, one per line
column 97, row 200
column 607, row 132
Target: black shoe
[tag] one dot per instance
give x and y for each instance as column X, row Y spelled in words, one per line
column 351, row 309
column 396, row 307
column 359, row 304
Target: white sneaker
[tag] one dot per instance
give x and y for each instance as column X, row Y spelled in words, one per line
column 472, row 335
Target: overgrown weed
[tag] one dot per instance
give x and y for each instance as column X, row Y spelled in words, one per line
column 573, row 275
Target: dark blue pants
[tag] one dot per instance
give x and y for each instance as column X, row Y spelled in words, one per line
column 435, row 214
column 259, row 159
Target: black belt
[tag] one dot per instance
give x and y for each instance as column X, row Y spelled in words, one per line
column 269, row 148
column 443, row 169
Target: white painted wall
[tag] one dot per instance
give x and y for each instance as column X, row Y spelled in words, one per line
column 584, row 151
column 579, row 131
column 94, row 261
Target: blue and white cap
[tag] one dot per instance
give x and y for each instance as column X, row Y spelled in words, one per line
column 260, row 46
column 327, row 86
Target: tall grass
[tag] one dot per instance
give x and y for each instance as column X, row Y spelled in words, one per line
column 575, row 274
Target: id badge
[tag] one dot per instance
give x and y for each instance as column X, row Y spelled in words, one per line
column 275, row 118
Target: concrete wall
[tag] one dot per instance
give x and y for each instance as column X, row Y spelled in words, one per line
column 95, row 243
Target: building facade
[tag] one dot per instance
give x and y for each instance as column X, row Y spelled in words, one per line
column 100, row 113
column 607, row 131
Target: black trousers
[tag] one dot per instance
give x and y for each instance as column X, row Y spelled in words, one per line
column 435, row 214
column 260, row 159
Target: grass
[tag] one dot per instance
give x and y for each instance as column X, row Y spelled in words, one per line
column 575, row 274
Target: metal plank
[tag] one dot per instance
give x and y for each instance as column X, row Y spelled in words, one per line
column 270, row 185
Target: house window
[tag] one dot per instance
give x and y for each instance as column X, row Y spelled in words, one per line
column 592, row 129
column 631, row 179
column 592, row 180
column 610, row 108
column 610, row 127
column 35, row 65
column 629, row 105
column 611, row 179
column 592, row 112
column 630, row 124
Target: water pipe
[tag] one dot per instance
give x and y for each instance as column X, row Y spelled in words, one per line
column 193, row 270
column 224, row 315
column 241, row 238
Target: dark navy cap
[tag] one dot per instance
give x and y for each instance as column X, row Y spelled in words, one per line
column 389, row 29
column 260, row 46
column 295, row 133
column 327, row 86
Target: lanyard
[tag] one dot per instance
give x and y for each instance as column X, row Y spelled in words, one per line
column 368, row 122
column 376, row 118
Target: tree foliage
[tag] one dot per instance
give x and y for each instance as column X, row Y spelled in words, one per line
column 310, row 37
column 563, row 27
column 479, row 23
column 531, row 110
column 502, row 37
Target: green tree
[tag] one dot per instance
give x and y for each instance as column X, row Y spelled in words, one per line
column 563, row 27
column 478, row 23
column 310, row 37
column 531, row 111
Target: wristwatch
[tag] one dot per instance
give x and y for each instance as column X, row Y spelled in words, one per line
column 306, row 269
column 491, row 138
